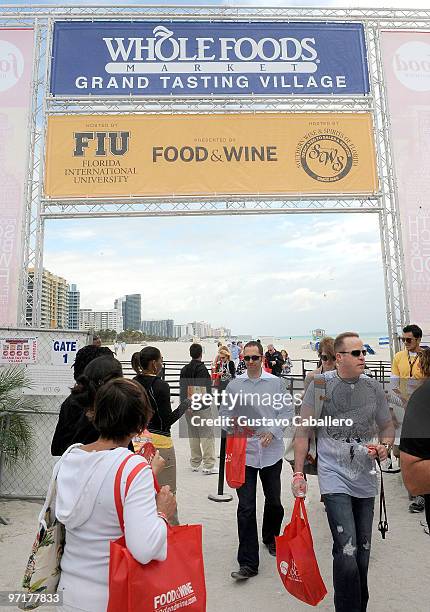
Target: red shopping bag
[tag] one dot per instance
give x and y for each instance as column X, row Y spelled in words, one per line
column 266, row 366
column 158, row 586
column 235, row 459
column 296, row 561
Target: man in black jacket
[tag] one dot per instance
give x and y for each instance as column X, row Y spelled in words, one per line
column 274, row 360
column 195, row 379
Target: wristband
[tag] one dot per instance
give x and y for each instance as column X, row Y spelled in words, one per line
column 298, row 474
column 163, row 516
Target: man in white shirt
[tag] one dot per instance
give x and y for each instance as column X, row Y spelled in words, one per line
column 261, row 400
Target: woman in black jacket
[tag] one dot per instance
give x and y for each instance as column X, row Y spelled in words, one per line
column 148, row 365
column 73, row 424
column 224, row 368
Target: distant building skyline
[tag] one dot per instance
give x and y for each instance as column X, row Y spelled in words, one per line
column 74, row 306
column 54, row 301
column 100, row 319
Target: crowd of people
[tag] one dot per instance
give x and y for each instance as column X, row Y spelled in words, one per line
column 106, row 417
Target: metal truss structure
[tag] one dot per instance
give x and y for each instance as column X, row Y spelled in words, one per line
column 384, row 203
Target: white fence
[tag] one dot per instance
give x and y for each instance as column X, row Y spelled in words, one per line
column 47, row 357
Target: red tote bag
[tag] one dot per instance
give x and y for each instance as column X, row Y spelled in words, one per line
column 296, row 561
column 158, row 586
column 235, row 459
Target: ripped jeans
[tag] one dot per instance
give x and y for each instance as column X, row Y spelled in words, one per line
column 350, row 519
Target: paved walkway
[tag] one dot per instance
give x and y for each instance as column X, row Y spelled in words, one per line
column 399, row 566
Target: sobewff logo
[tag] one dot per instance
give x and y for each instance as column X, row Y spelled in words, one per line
column 411, row 65
column 11, row 65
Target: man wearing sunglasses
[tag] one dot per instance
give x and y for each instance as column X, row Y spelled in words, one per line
column 406, row 363
column 405, row 370
column 258, row 395
column 346, row 451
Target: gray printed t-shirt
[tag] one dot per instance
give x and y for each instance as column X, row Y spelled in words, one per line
column 344, row 465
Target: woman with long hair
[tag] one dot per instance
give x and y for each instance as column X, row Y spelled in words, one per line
column 287, row 366
column 223, row 368
column 327, row 360
column 148, row 365
column 73, row 424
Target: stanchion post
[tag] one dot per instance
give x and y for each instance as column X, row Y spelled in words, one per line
column 220, row 496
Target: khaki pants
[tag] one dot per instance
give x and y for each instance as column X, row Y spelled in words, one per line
column 167, row 476
column 202, row 441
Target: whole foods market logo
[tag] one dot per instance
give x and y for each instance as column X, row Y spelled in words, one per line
column 411, row 65
column 11, row 65
column 326, row 156
column 130, row 55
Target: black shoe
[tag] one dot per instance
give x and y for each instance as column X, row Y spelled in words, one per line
column 244, row 573
column 271, row 547
column 417, row 505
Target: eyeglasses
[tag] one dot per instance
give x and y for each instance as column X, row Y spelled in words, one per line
column 252, row 357
column 407, row 340
column 355, row 353
column 326, row 358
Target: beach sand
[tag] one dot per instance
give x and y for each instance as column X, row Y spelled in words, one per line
column 297, row 348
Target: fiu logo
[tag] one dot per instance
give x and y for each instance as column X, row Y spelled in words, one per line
column 325, row 157
column 104, row 143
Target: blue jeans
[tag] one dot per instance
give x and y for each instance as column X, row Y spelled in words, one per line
column 350, row 519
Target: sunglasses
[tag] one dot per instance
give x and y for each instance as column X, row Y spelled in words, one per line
column 355, row 353
column 252, row 357
column 326, row 358
column 407, row 340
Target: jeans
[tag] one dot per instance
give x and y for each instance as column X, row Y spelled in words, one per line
column 427, row 508
column 270, row 477
column 350, row 519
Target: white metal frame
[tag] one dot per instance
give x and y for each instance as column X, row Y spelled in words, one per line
column 43, row 104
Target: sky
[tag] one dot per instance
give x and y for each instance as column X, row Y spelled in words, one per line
column 268, row 275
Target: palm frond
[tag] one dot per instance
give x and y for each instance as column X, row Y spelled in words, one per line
column 16, row 438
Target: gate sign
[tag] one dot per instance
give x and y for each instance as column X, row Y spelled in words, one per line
column 64, row 352
column 160, row 58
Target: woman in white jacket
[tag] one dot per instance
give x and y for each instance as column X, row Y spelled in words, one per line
column 85, row 499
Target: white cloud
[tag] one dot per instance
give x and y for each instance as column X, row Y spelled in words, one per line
column 241, row 272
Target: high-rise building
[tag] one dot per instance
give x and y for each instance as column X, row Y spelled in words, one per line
column 131, row 309
column 74, row 304
column 201, row 329
column 161, row 327
column 179, row 331
column 100, row 319
column 54, row 301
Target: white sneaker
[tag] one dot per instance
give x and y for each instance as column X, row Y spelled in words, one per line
column 207, row 471
column 195, row 469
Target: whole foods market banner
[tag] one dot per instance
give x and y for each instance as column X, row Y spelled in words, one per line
column 16, row 54
column 406, row 57
column 199, row 58
column 179, row 155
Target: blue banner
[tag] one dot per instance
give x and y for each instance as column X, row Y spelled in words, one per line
column 120, row 58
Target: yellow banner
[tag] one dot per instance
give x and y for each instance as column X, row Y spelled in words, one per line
column 207, row 155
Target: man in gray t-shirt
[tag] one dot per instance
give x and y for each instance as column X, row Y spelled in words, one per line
column 356, row 428
column 344, row 463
